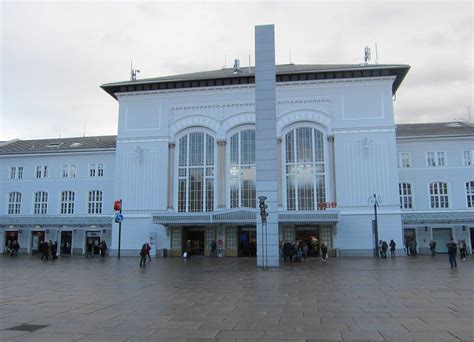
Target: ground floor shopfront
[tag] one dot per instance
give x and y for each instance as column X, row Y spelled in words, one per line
column 71, row 236
column 439, row 227
column 241, row 240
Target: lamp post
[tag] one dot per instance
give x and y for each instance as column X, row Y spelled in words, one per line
column 263, row 214
column 374, row 200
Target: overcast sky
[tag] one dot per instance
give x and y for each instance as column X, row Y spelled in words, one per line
column 54, row 55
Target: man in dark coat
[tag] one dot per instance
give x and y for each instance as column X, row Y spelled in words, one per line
column 452, row 250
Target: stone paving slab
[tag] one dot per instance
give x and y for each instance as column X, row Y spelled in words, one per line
column 229, row 299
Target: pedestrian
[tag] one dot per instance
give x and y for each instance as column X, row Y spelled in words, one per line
column 40, row 247
column 287, row 251
column 103, row 248
column 407, row 246
column 462, row 250
column 54, row 250
column 45, row 251
column 143, row 253
column 148, row 249
column 413, row 247
column 213, row 248
column 452, row 250
column 433, row 247
column 305, row 251
column 324, row 252
column 384, row 249
column 89, row 249
column 392, row 249
column 15, row 248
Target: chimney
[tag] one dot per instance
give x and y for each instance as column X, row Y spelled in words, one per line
column 236, row 66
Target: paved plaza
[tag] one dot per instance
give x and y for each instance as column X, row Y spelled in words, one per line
column 229, row 299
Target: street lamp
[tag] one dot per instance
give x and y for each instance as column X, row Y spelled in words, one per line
column 263, row 214
column 374, row 200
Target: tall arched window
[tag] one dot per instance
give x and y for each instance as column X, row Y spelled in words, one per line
column 439, row 195
column 14, row 203
column 242, row 170
column 304, row 169
column 95, row 202
column 470, row 194
column 67, row 202
column 196, row 173
column 406, row 201
column 41, row 203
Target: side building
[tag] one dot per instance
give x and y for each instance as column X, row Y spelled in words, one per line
column 436, row 172
column 59, row 190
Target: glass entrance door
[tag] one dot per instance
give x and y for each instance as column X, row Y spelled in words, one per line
column 247, row 242
column 36, row 237
column 441, row 237
column 66, row 243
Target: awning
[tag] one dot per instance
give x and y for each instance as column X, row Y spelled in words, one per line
column 243, row 216
column 43, row 220
column 460, row 217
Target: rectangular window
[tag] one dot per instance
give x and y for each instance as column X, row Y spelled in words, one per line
column 231, row 238
column 96, row 170
column 42, row 171
column 67, row 202
column 41, row 203
column 434, row 159
column 69, row 171
column 13, row 172
column 100, row 170
column 95, row 202
column 14, row 203
column 91, row 170
column 20, row 172
column 467, row 158
column 404, row 160
column 405, row 196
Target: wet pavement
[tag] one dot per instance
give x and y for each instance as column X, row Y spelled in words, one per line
column 230, row 299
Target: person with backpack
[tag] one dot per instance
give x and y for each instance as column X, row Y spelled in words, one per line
column 143, row 254
column 392, row 249
column 452, row 250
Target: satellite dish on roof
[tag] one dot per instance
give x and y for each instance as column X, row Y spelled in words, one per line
column 367, row 55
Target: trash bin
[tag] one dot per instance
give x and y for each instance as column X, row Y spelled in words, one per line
column 336, row 252
column 165, row 253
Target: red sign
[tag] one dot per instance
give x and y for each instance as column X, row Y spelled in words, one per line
column 327, row 205
column 118, row 205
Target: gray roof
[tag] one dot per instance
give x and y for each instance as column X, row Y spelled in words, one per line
column 457, row 128
column 79, row 144
column 345, row 70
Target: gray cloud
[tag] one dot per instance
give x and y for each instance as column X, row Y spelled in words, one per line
column 55, row 55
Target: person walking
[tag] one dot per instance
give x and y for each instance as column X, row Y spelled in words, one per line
column 305, row 251
column 213, row 249
column 462, row 249
column 452, row 250
column 392, row 249
column 433, row 247
column 148, row 249
column 54, row 250
column 103, row 248
column 45, row 251
column 15, row 248
column 324, row 252
column 384, row 249
column 143, row 253
column 89, row 249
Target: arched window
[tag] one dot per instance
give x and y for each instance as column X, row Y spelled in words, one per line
column 14, row 203
column 94, row 202
column 406, row 201
column 470, row 194
column 41, row 203
column 439, row 195
column 196, row 172
column 242, row 170
column 67, row 202
column 304, row 169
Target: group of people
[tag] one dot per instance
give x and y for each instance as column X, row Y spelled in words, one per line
column 12, row 247
column 90, row 249
column 48, row 250
column 411, row 247
column 383, row 248
column 298, row 251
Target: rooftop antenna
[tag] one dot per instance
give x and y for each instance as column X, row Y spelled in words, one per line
column 366, row 55
column 469, row 113
column 249, row 63
column 376, row 54
column 133, row 72
column 290, row 57
column 225, row 61
column 84, row 131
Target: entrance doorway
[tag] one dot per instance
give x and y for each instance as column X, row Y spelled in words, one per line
column 408, row 235
column 66, row 242
column 94, row 239
column 247, row 242
column 10, row 236
column 36, row 237
column 441, row 237
column 193, row 240
column 472, row 240
column 309, row 235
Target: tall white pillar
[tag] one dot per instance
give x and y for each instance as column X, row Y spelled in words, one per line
column 265, row 143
